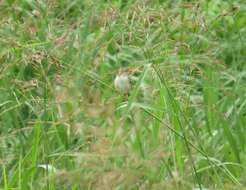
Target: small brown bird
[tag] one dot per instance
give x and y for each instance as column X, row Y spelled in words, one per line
column 122, row 83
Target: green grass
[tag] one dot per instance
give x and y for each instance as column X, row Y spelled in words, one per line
column 65, row 126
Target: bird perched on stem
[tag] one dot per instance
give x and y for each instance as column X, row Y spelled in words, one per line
column 122, row 81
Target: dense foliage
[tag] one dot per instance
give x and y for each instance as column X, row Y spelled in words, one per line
column 65, row 126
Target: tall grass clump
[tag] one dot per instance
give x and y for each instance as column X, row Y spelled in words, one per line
column 122, row 94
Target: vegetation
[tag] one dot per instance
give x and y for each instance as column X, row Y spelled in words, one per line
column 64, row 125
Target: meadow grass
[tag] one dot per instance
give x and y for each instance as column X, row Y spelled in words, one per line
column 65, row 126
